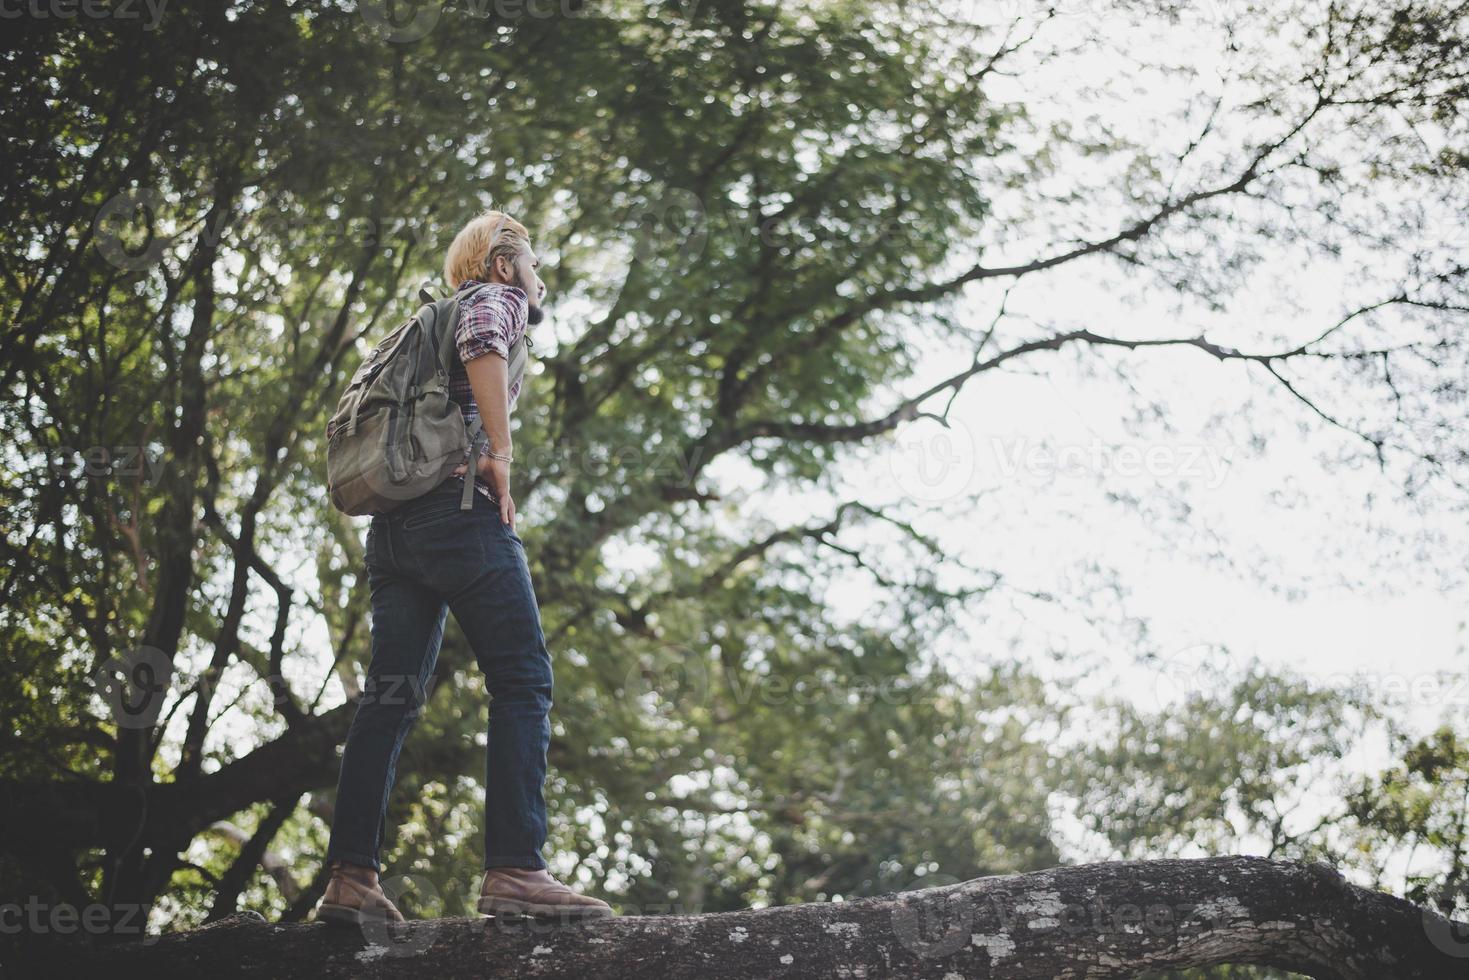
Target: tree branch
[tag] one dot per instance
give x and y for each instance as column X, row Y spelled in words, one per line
column 1112, row 920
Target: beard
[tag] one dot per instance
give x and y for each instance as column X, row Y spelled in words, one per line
column 534, row 311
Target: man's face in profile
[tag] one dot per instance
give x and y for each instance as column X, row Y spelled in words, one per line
column 525, row 276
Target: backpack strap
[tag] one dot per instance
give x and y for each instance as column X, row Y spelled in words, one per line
column 448, row 324
column 516, row 360
column 476, row 439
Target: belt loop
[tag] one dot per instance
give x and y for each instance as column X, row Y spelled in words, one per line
column 476, row 439
column 466, row 502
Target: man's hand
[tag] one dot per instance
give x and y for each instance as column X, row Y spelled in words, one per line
column 489, row 380
column 496, row 472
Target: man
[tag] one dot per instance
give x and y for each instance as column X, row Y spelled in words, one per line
column 427, row 557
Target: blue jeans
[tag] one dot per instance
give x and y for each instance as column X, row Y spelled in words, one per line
column 423, row 559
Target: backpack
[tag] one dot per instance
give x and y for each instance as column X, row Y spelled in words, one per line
column 396, row 434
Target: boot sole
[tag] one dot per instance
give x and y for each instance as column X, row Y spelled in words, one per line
column 491, row 905
column 346, row 915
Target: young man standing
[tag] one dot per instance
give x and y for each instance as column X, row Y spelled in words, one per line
column 428, row 557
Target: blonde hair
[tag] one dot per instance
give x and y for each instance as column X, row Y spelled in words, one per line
column 480, row 242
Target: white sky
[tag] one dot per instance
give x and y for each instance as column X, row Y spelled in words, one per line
column 1312, row 578
column 1309, row 578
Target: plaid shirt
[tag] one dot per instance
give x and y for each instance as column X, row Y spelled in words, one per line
column 493, row 318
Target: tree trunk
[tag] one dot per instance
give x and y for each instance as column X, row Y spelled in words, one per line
column 1093, row 921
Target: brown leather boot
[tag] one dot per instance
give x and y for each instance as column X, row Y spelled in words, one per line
column 352, row 895
column 533, row 892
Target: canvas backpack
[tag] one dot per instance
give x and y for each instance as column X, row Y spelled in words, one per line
column 396, row 434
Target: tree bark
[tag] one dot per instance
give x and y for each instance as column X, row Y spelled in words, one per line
column 1093, row 921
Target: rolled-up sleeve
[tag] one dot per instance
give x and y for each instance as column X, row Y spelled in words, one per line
column 491, row 320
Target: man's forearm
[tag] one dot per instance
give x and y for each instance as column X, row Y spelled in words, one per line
column 489, row 379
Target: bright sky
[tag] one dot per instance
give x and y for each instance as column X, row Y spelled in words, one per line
column 1283, row 556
